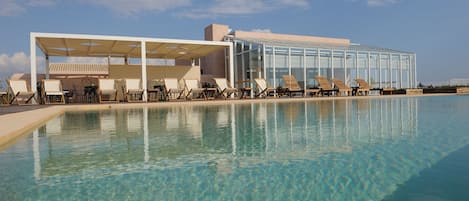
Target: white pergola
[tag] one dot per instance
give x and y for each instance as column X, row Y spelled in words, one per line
column 83, row 45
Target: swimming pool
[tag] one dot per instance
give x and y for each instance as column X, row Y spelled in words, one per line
column 362, row 149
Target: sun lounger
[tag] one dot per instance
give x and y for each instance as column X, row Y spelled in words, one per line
column 291, row 85
column 342, row 87
column 4, row 98
column 193, row 88
column 223, row 88
column 363, row 87
column 325, row 86
column 133, row 91
column 52, row 92
column 263, row 88
column 21, row 94
column 107, row 87
column 172, row 88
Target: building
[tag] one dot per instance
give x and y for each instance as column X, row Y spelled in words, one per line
column 239, row 56
column 270, row 55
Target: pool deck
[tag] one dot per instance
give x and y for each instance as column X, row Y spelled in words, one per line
column 17, row 121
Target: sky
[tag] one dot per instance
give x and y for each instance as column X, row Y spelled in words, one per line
column 437, row 31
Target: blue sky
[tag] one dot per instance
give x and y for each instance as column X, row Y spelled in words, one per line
column 437, row 31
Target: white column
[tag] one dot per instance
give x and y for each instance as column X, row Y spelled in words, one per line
column 264, row 62
column 319, row 62
column 231, row 64
column 345, row 68
column 415, row 70
column 304, row 68
column 332, row 64
column 289, row 61
column 369, row 68
column 390, row 70
column 273, row 66
column 144, row 69
column 400, row 71
column 379, row 67
column 356, row 65
column 32, row 57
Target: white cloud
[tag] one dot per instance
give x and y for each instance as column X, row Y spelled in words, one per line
column 15, row 7
column 381, row 2
column 17, row 63
column 134, row 7
column 242, row 7
column 10, row 8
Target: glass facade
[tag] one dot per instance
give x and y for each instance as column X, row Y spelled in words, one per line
column 381, row 68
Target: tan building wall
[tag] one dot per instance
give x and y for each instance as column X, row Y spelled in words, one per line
column 213, row 65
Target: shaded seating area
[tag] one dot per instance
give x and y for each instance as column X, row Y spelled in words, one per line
column 107, row 91
column 325, row 86
column 52, row 92
column 133, row 90
column 172, row 89
column 342, row 88
column 224, row 90
column 21, row 94
column 264, row 90
column 193, row 88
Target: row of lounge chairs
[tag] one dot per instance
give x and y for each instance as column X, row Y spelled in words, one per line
column 52, row 91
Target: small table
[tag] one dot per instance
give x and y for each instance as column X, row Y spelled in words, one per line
column 245, row 92
column 90, row 94
column 153, row 95
column 210, row 93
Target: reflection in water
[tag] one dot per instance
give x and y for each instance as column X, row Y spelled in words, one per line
column 261, row 132
column 269, row 147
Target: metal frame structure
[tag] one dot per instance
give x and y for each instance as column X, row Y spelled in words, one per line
column 83, row 45
column 376, row 65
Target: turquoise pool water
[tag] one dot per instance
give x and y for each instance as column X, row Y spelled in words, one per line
column 376, row 149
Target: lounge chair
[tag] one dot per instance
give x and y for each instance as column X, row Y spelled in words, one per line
column 363, row 87
column 223, row 88
column 133, row 91
column 107, row 87
column 172, row 88
column 21, row 94
column 52, row 92
column 263, row 88
column 325, row 86
column 291, row 85
column 342, row 87
column 4, row 98
column 193, row 87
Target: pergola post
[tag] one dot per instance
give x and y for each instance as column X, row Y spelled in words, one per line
column 32, row 57
column 231, row 64
column 47, row 67
column 144, row 70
